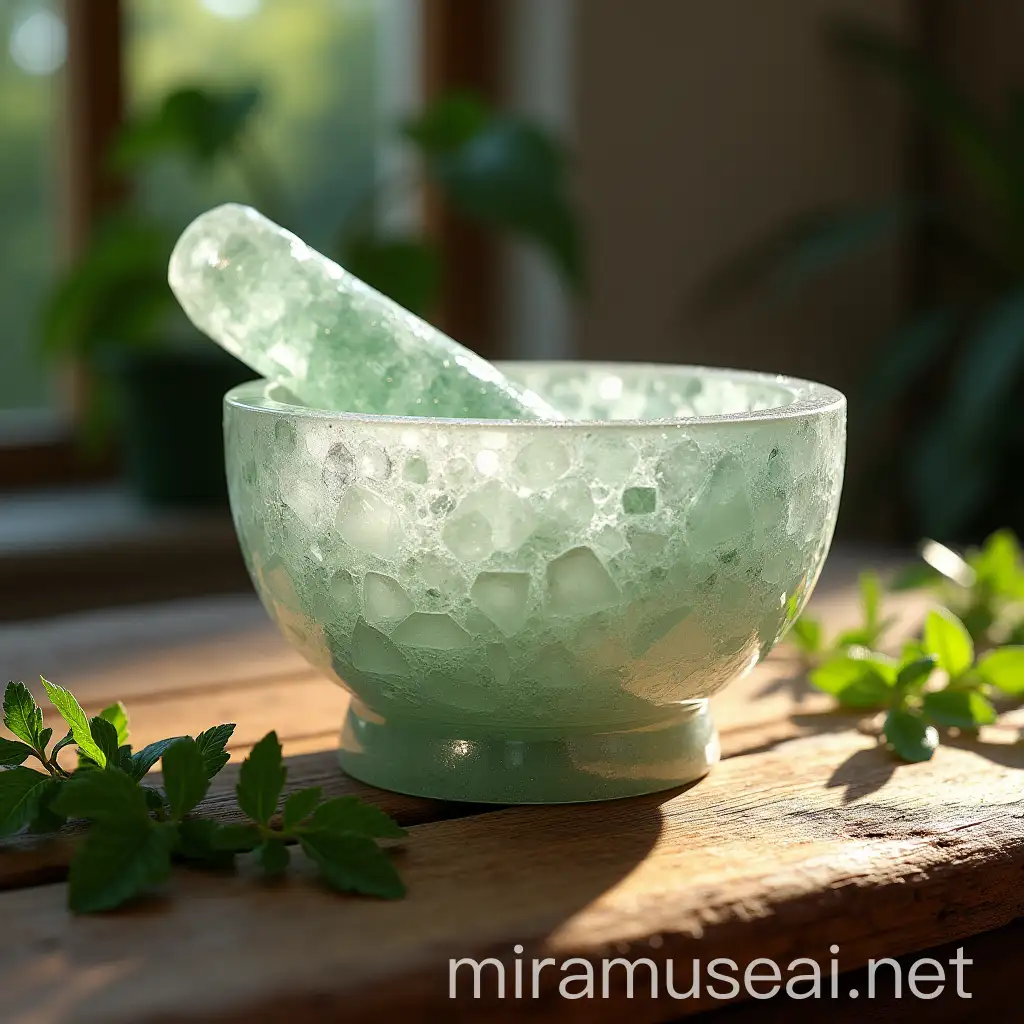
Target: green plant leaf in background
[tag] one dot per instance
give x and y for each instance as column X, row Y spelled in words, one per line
column 1004, row 669
column 405, row 269
column 502, row 172
column 946, row 638
column 199, row 123
column 963, row 709
column 947, row 109
column 856, row 681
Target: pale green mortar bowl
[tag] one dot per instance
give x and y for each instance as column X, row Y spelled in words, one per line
column 533, row 612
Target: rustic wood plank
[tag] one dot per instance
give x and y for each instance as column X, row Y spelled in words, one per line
column 779, row 854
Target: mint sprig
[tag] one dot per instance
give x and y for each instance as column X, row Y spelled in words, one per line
column 338, row 835
column 916, row 710
column 136, row 832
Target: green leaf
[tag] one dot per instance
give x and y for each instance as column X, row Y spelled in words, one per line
column 914, row 673
column 406, row 270
column 350, row 814
column 119, row 862
column 22, row 715
column 353, row 863
column 185, row 781
column 870, row 597
column 804, row 248
column 104, row 734
column 983, row 379
column 998, row 565
column 948, row 110
column 448, row 122
column 511, row 175
column 107, row 797
column 261, row 779
column 300, row 806
column 13, row 752
column 964, row 709
column 212, row 744
column 117, row 716
column 916, row 577
column 67, row 741
column 72, row 713
column 200, row 124
column 909, row 735
column 154, row 798
column 1004, row 669
column 46, row 819
column 21, row 790
column 237, row 838
column 904, row 356
column 807, row 634
column 144, row 759
column 274, row 857
column 854, row 682
column 196, row 843
column 946, row 637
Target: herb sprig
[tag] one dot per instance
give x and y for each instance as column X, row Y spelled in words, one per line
column 946, row 678
column 137, row 831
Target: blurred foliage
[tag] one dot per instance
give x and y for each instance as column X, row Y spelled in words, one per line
column 949, row 379
column 498, row 171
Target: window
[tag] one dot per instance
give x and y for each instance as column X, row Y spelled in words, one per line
column 33, row 49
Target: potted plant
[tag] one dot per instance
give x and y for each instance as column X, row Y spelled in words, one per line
column 162, row 383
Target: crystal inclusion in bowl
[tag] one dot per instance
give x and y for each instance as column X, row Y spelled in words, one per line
column 533, row 612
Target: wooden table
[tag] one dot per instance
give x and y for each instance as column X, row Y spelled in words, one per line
column 807, row 835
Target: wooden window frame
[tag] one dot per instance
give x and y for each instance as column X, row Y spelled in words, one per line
column 461, row 41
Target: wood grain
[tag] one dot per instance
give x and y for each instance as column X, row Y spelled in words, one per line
column 779, row 854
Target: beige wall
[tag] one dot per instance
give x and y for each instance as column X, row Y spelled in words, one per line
column 700, row 123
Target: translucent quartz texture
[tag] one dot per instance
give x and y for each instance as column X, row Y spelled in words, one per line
column 510, row 575
column 299, row 319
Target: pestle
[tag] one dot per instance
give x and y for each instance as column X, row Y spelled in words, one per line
column 297, row 318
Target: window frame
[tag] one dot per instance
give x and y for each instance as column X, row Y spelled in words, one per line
column 461, row 41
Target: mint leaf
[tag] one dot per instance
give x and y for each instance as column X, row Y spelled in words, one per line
column 107, row 797
column 144, row 759
column 807, row 635
column 212, row 743
column 117, row 716
column 67, row 741
column 274, row 857
column 104, row 735
column 870, row 598
column 13, row 752
column 1004, row 669
column 947, row 638
column 117, row 862
column 300, row 806
column 261, row 779
column 237, row 838
column 72, row 713
column 46, row 819
column 915, row 673
column 854, row 682
column 964, row 709
column 916, row 577
column 196, row 843
column 185, row 781
column 350, row 814
column 22, row 715
column 353, row 863
column 21, row 789
column 909, row 735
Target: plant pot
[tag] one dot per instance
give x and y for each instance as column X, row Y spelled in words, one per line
column 170, row 409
